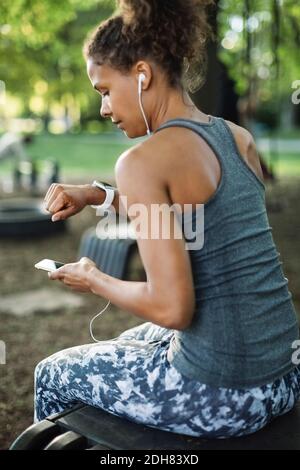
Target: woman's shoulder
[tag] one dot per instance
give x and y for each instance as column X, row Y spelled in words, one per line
column 247, row 148
column 151, row 154
column 242, row 136
column 180, row 161
column 165, row 147
column 145, row 158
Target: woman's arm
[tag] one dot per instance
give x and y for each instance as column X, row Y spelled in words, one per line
column 135, row 297
column 167, row 298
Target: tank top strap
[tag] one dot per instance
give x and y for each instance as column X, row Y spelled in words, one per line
column 220, row 139
column 209, row 131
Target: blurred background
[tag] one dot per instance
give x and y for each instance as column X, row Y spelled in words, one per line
column 51, row 130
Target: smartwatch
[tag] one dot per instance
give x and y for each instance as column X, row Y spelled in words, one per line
column 110, row 194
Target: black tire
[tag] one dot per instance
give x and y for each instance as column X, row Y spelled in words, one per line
column 26, row 217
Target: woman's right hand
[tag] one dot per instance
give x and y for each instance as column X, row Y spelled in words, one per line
column 65, row 200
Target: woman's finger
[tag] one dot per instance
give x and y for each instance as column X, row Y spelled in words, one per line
column 57, row 274
column 58, row 204
column 50, row 196
column 56, row 191
column 49, row 192
column 62, row 214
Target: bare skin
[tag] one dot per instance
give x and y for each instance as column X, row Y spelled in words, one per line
column 160, row 169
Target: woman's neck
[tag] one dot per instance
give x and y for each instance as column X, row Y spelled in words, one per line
column 172, row 105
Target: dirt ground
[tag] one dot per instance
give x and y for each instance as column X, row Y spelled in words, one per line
column 31, row 338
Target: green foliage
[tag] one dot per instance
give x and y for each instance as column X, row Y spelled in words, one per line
column 261, row 48
column 41, row 41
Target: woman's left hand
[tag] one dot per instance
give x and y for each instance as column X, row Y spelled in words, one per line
column 75, row 275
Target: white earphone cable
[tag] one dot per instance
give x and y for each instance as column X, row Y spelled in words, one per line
column 94, row 318
column 141, row 106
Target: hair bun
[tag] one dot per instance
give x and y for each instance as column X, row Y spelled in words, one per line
column 139, row 12
column 171, row 32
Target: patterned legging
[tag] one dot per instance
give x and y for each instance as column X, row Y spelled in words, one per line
column 130, row 376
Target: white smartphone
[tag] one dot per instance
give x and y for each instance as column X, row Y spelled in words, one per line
column 48, row 265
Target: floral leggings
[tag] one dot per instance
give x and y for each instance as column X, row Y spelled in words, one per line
column 130, row 376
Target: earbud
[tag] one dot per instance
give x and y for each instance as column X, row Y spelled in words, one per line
column 142, row 77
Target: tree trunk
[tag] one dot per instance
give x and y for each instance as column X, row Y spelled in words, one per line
column 217, row 96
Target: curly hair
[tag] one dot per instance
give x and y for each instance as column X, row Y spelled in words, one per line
column 172, row 33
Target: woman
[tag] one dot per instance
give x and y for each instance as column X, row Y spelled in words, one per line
column 214, row 358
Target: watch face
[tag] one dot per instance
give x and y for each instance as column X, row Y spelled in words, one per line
column 109, row 186
column 98, row 185
column 102, row 184
column 109, row 195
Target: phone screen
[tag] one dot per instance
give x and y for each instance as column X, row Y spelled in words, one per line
column 48, row 265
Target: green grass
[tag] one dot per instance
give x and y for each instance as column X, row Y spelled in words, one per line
column 90, row 154
column 283, row 134
column 77, row 154
column 287, row 164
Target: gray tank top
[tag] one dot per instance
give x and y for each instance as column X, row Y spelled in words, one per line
column 244, row 323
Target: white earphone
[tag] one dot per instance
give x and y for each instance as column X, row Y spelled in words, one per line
column 142, row 77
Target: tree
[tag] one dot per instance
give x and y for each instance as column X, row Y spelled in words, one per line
column 255, row 56
column 40, row 49
column 260, row 40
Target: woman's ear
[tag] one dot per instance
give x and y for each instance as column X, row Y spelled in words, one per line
column 143, row 73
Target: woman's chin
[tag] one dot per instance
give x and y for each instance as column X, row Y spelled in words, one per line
column 131, row 134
